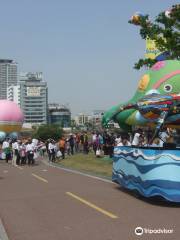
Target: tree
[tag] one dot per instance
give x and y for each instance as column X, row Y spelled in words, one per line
column 48, row 131
column 165, row 31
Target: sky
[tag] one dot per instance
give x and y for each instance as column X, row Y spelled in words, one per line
column 86, row 49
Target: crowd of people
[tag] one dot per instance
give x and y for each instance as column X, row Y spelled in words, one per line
column 103, row 143
column 25, row 151
column 164, row 138
column 81, row 143
column 20, row 152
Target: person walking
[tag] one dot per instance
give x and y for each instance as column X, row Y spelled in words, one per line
column 22, row 153
column 30, row 152
column 86, row 144
column 16, row 151
column 77, row 141
column 14, row 142
column 7, row 150
column 52, row 150
column 68, row 148
column 71, row 143
column 62, row 146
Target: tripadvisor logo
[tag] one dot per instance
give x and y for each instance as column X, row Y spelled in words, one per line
column 139, row 231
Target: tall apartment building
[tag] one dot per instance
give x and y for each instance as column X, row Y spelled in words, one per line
column 8, row 76
column 34, row 98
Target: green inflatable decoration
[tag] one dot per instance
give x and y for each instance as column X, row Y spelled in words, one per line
column 162, row 78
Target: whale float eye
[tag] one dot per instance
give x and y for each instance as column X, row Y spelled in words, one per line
column 168, row 88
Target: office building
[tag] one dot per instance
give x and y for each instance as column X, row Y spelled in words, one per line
column 8, row 76
column 59, row 114
column 34, row 98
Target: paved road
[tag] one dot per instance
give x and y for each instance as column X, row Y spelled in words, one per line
column 47, row 203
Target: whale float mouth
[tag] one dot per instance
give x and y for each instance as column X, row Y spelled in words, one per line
column 152, row 91
column 165, row 78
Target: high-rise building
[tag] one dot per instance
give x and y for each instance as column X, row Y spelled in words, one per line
column 8, row 76
column 13, row 94
column 34, row 98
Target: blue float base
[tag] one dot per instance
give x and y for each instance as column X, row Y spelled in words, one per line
column 152, row 172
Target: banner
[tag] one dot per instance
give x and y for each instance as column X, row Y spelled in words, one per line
column 33, row 91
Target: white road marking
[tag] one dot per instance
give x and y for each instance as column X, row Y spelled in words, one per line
column 3, row 234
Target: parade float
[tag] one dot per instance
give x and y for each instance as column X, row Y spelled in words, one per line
column 151, row 171
column 11, row 119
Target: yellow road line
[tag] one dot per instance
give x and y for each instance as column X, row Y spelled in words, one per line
column 92, row 205
column 40, row 178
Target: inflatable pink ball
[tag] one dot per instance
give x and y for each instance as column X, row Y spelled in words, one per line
column 11, row 116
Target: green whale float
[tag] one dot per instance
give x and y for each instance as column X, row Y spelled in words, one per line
column 162, row 78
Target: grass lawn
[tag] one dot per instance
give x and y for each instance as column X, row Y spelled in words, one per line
column 88, row 163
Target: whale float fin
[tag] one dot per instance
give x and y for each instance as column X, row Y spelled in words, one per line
column 113, row 112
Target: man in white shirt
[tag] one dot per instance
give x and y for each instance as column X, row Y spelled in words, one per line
column 16, row 156
column 30, row 152
column 137, row 135
column 5, row 144
column 94, row 135
column 52, row 150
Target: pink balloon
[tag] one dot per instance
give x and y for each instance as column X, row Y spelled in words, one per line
column 10, row 111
